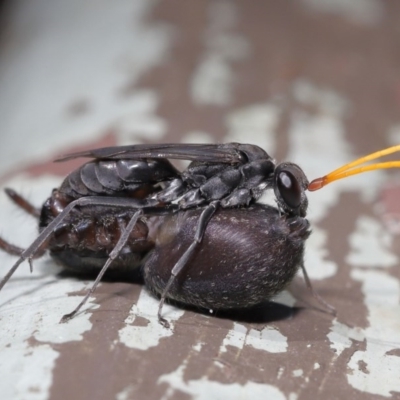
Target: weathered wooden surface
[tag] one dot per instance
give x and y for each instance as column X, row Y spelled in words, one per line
column 312, row 82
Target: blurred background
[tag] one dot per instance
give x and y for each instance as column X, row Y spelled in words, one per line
column 315, row 82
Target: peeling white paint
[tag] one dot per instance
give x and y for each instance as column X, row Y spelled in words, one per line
column 338, row 342
column 374, row 370
column 144, row 337
column 254, row 124
column 341, row 336
column 59, row 62
column 219, row 364
column 198, row 137
column 364, row 12
column 213, row 80
column 326, row 101
column 204, row 389
column 315, row 259
column 23, row 318
column 235, row 337
column 198, row 346
column 393, row 135
column 33, row 304
column 297, row 373
column 268, row 339
column 137, row 120
column 126, row 393
column 31, row 379
column 36, row 111
column 370, row 245
column 317, row 143
column 284, row 298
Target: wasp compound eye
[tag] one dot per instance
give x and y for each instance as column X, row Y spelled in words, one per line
column 289, row 189
column 290, row 184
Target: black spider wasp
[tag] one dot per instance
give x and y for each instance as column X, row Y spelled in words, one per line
column 199, row 236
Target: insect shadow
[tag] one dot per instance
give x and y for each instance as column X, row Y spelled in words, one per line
column 265, row 312
column 198, row 236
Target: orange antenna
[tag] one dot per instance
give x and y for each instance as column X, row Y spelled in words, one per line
column 354, row 169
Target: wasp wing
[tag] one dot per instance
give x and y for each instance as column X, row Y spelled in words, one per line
column 224, row 153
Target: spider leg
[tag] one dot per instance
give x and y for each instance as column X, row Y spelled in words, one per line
column 331, row 309
column 22, row 203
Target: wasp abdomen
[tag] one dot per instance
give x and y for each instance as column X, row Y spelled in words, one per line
column 134, row 178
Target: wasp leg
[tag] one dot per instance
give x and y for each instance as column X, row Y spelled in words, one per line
column 46, row 232
column 330, row 308
column 23, row 203
column 113, row 255
column 201, row 228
